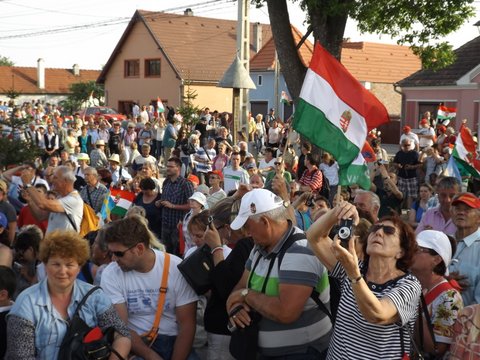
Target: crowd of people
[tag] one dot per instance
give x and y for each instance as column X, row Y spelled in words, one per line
column 321, row 271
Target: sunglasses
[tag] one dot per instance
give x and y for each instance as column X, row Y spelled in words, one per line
column 120, row 254
column 387, row 229
column 277, row 163
column 427, row 250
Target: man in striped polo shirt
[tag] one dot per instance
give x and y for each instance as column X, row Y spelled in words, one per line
column 292, row 324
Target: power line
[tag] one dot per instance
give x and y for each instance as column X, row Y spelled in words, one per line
column 111, row 22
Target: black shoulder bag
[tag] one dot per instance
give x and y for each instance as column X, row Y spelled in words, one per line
column 73, row 345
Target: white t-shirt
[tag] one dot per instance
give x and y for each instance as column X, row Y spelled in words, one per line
column 423, row 142
column 73, row 206
column 263, row 164
column 139, row 291
column 331, row 172
column 233, row 178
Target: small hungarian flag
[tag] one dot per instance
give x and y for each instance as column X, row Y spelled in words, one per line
column 160, row 108
column 117, row 202
column 465, row 154
column 334, row 110
column 286, row 99
column 445, row 114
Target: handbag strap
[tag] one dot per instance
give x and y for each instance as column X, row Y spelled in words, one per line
column 424, row 307
column 432, row 295
column 84, row 300
column 153, row 333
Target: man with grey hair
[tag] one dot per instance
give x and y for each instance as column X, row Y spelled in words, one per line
column 367, row 201
column 63, row 213
column 94, row 192
column 279, row 280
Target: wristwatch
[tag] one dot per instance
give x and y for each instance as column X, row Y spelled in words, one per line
column 244, row 293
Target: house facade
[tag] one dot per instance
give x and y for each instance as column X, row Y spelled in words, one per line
column 165, row 55
column 41, row 84
column 457, row 86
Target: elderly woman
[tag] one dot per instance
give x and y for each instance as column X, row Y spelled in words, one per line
column 39, row 318
column 379, row 298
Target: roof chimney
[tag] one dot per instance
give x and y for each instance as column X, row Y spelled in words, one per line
column 188, row 12
column 76, row 70
column 257, row 37
column 41, row 73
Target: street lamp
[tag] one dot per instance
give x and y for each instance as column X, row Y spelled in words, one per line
column 236, row 77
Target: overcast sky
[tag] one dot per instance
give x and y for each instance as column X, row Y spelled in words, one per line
column 65, row 32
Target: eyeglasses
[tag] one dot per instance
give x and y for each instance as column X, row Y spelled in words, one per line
column 387, row 229
column 120, row 254
column 210, row 221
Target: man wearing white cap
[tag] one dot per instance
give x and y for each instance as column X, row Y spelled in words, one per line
column 466, row 217
column 291, row 322
column 442, row 300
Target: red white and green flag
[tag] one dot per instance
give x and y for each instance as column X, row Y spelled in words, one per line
column 285, row 98
column 445, row 114
column 334, row 111
column 117, row 202
column 465, row 154
column 160, row 107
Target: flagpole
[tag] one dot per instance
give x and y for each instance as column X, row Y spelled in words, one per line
column 338, row 196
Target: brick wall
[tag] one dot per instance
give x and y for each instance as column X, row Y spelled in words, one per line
column 387, row 95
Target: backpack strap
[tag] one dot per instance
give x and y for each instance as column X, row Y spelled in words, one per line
column 315, row 295
column 153, row 333
column 71, row 221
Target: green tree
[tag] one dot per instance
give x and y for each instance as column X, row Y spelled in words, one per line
column 13, row 150
column 188, row 109
column 420, row 24
column 5, row 61
column 80, row 93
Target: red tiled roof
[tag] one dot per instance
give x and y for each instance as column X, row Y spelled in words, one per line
column 57, row 81
column 265, row 58
column 380, row 63
column 366, row 61
column 198, row 48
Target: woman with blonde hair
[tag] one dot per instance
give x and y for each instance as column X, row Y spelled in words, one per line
column 38, row 321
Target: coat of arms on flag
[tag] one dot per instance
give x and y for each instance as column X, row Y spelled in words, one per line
column 345, row 120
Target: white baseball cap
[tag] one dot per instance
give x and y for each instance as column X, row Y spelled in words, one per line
column 438, row 241
column 200, row 198
column 256, row 201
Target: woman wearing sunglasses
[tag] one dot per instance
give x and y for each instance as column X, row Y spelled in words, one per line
column 379, row 298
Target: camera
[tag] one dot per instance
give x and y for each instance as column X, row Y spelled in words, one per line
column 345, row 231
column 382, row 162
column 310, row 201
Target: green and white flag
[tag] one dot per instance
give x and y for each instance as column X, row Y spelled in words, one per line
column 355, row 173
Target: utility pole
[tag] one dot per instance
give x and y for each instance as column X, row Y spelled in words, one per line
column 243, row 47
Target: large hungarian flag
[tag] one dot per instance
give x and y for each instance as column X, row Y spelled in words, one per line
column 334, row 111
column 465, row 153
column 445, row 114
